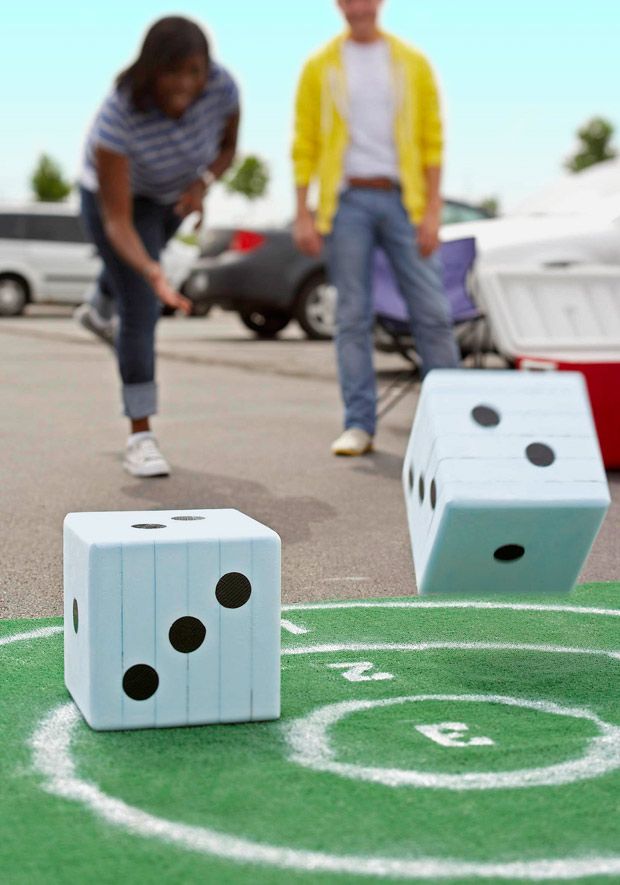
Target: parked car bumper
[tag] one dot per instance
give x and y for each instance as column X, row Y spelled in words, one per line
column 233, row 282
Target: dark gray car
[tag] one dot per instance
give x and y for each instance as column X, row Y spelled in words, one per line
column 262, row 275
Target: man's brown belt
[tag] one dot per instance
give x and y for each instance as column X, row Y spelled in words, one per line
column 379, row 184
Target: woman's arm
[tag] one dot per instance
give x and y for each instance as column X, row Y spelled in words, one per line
column 191, row 200
column 228, row 146
column 116, row 207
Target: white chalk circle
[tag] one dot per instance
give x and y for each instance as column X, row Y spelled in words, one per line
column 310, row 746
column 51, row 746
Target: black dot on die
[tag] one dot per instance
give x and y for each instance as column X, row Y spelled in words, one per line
column 485, row 416
column 187, row 518
column 421, row 489
column 509, row 552
column 540, row 454
column 148, row 525
column 187, row 634
column 140, row 682
column 433, row 493
column 411, row 478
column 233, row 590
column 76, row 615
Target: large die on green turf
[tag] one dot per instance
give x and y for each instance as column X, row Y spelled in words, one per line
column 504, row 484
column 171, row 618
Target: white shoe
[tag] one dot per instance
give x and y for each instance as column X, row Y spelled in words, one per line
column 142, row 456
column 92, row 321
column 353, row 441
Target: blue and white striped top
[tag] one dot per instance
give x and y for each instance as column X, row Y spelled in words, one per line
column 165, row 155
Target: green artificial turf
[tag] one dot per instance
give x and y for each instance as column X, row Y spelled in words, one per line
column 240, row 780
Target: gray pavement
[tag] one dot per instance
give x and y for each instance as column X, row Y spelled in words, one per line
column 244, row 423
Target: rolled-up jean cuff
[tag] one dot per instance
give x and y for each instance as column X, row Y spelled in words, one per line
column 140, row 400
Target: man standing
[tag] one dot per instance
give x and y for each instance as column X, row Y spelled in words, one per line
column 367, row 124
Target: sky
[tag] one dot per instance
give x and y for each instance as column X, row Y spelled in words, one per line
column 517, row 79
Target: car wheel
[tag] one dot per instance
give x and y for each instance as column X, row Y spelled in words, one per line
column 265, row 323
column 315, row 308
column 13, row 296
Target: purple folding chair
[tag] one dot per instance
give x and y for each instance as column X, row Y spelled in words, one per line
column 457, row 258
column 393, row 331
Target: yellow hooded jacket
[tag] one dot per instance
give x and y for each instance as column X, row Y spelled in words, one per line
column 321, row 135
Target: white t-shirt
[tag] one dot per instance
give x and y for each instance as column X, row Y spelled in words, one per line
column 371, row 105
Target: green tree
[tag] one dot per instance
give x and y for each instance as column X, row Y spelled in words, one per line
column 249, row 177
column 595, row 137
column 490, row 205
column 47, row 181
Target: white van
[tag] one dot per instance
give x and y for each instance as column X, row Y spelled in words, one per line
column 45, row 256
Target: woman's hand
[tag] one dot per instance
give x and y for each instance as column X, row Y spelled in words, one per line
column 166, row 293
column 192, row 200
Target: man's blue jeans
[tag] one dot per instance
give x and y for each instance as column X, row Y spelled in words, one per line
column 366, row 219
column 137, row 305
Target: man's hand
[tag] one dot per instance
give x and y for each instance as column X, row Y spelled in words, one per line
column 428, row 232
column 307, row 239
column 166, row 293
column 192, row 200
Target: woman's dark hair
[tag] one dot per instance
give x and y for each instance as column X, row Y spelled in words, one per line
column 167, row 44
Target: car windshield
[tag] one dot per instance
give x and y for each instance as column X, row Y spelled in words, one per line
column 453, row 213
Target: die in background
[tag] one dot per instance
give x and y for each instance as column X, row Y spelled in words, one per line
column 504, row 484
column 171, row 618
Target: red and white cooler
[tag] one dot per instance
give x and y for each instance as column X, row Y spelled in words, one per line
column 562, row 318
column 603, row 382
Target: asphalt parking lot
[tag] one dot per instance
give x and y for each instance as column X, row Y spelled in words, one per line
column 244, row 423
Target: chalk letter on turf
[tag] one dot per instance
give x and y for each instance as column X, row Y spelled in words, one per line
column 451, row 734
column 358, row 672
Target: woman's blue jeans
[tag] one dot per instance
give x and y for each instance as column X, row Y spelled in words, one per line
column 137, row 305
column 366, row 219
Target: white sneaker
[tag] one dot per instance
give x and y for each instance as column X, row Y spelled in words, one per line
column 92, row 321
column 353, row 441
column 142, row 456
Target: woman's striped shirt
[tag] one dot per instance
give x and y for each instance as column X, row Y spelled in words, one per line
column 165, row 155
